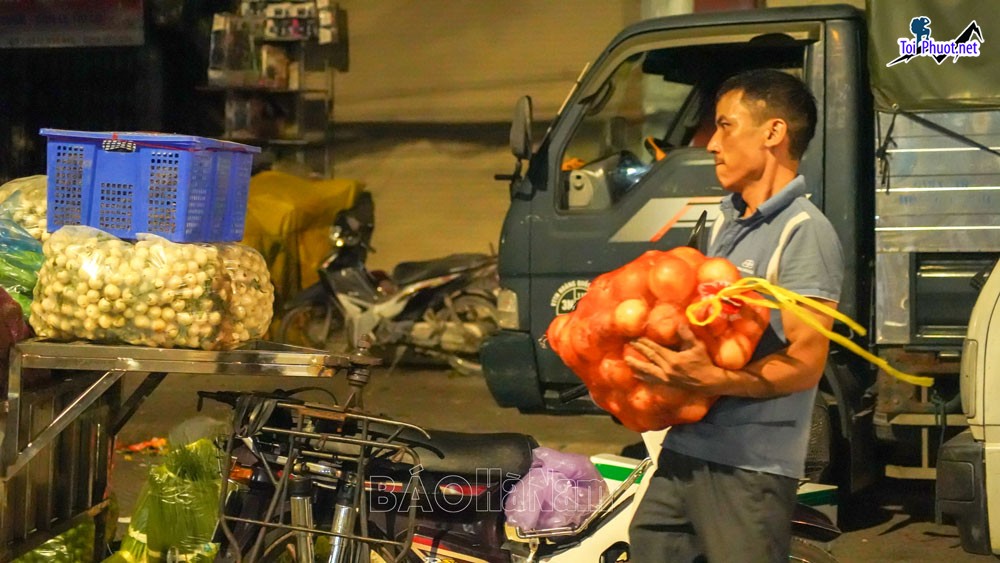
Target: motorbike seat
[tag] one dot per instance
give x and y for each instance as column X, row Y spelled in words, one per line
column 460, row 453
column 406, row 273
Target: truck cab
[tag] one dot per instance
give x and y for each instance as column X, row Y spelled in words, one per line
column 623, row 168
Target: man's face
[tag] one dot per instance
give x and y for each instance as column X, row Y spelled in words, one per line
column 738, row 143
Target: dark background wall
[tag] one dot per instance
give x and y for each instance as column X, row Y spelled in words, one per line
column 152, row 87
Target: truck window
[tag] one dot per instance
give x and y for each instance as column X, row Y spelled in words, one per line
column 605, row 156
column 654, row 104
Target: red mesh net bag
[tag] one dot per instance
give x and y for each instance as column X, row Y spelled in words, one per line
column 650, row 297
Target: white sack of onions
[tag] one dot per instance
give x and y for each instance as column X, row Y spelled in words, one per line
column 94, row 286
column 25, row 200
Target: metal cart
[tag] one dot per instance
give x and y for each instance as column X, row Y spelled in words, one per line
column 64, row 407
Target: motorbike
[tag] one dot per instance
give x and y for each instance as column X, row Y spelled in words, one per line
column 437, row 311
column 331, row 482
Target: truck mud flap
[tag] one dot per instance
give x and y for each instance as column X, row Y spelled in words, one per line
column 508, row 359
column 961, row 490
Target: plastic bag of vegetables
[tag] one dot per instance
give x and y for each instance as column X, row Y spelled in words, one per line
column 20, row 259
column 177, row 510
column 152, row 292
column 26, row 201
column 72, row 546
column 652, row 296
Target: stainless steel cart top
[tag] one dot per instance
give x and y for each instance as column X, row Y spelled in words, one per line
column 257, row 358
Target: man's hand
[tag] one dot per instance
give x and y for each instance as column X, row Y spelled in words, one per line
column 796, row 368
column 690, row 368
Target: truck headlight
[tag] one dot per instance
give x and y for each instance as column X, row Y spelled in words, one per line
column 968, row 383
column 507, row 315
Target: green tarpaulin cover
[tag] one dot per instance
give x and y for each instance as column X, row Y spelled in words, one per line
column 909, row 76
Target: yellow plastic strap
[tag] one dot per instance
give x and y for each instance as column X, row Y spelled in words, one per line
column 796, row 304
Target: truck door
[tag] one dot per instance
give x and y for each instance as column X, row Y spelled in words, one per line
column 627, row 166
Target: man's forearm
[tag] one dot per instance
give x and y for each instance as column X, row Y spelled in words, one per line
column 773, row 375
column 796, row 368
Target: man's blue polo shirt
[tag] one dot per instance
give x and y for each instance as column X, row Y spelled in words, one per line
column 789, row 242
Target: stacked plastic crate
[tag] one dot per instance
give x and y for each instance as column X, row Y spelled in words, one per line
column 181, row 187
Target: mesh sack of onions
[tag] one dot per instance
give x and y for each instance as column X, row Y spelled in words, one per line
column 651, row 297
column 152, row 292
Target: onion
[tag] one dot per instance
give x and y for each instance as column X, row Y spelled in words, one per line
column 671, row 280
column 734, row 350
column 718, row 270
column 630, row 317
column 632, row 282
column 616, row 373
column 662, row 324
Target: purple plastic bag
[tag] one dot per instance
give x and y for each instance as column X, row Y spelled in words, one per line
column 561, row 489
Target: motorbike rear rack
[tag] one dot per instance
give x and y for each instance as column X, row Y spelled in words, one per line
column 600, row 512
column 307, row 443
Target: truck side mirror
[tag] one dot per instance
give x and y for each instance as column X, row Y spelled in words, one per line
column 697, row 238
column 520, row 129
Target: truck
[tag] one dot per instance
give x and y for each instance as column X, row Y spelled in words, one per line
column 904, row 163
column 963, row 490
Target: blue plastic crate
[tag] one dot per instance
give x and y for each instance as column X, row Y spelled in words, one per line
column 181, row 187
column 229, row 205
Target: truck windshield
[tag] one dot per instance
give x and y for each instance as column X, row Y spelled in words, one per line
column 654, row 104
column 607, row 147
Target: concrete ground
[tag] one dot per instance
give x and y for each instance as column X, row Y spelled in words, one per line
column 435, row 195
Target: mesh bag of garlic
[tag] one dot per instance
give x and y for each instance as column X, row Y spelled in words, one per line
column 153, row 292
column 25, row 201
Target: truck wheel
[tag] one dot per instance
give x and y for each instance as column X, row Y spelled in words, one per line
column 805, row 552
column 820, row 441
